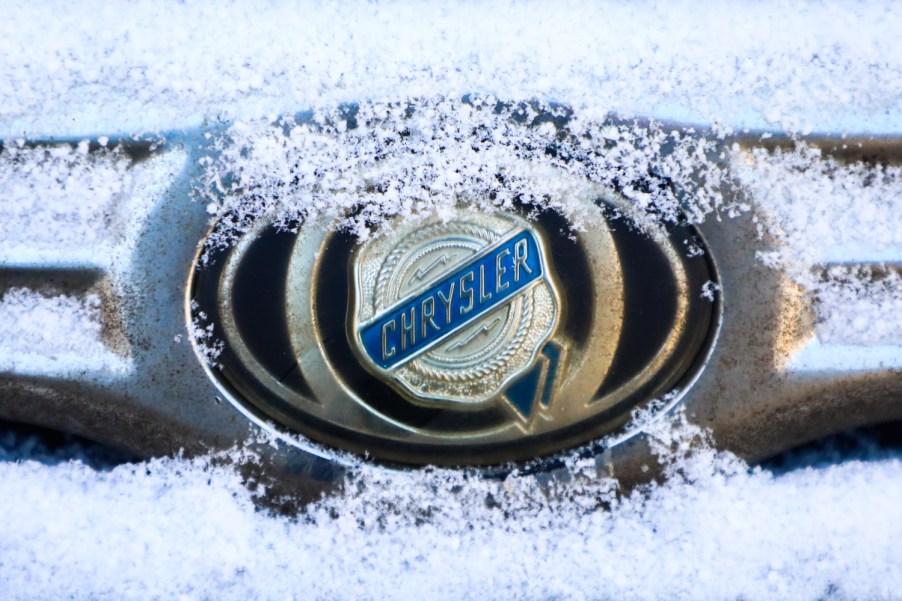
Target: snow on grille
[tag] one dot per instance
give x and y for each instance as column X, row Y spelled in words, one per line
column 839, row 226
column 53, row 335
column 58, row 201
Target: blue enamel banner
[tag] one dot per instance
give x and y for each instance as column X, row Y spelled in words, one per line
column 487, row 280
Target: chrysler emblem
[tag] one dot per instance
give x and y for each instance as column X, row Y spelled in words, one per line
column 455, row 313
column 474, row 337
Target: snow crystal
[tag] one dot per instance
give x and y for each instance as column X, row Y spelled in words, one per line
column 709, row 291
column 201, row 331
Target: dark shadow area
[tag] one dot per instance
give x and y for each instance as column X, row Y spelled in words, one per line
column 20, row 442
column 869, row 443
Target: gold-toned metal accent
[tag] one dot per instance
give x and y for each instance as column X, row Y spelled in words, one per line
column 676, row 332
column 583, row 372
column 795, row 323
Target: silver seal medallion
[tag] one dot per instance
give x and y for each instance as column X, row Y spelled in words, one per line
column 456, row 313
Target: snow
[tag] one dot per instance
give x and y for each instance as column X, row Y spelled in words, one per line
column 715, row 528
column 823, row 209
column 64, row 206
column 134, row 66
column 424, row 156
column 201, row 330
column 58, row 199
column 54, row 335
column 839, row 226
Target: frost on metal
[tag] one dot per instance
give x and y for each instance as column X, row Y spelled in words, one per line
column 368, row 162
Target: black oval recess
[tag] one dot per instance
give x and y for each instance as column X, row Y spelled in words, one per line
column 650, row 301
column 259, row 311
column 571, row 266
column 258, row 304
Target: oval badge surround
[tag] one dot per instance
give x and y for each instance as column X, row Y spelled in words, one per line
column 555, row 338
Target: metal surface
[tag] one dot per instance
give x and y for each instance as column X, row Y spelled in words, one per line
column 770, row 384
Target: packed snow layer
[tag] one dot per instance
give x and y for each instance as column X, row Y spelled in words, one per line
column 54, row 335
column 65, row 205
column 716, row 529
column 60, row 199
column 79, row 69
column 825, row 210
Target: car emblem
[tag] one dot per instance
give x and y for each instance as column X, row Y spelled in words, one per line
column 458, row 313
column 471, row 338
